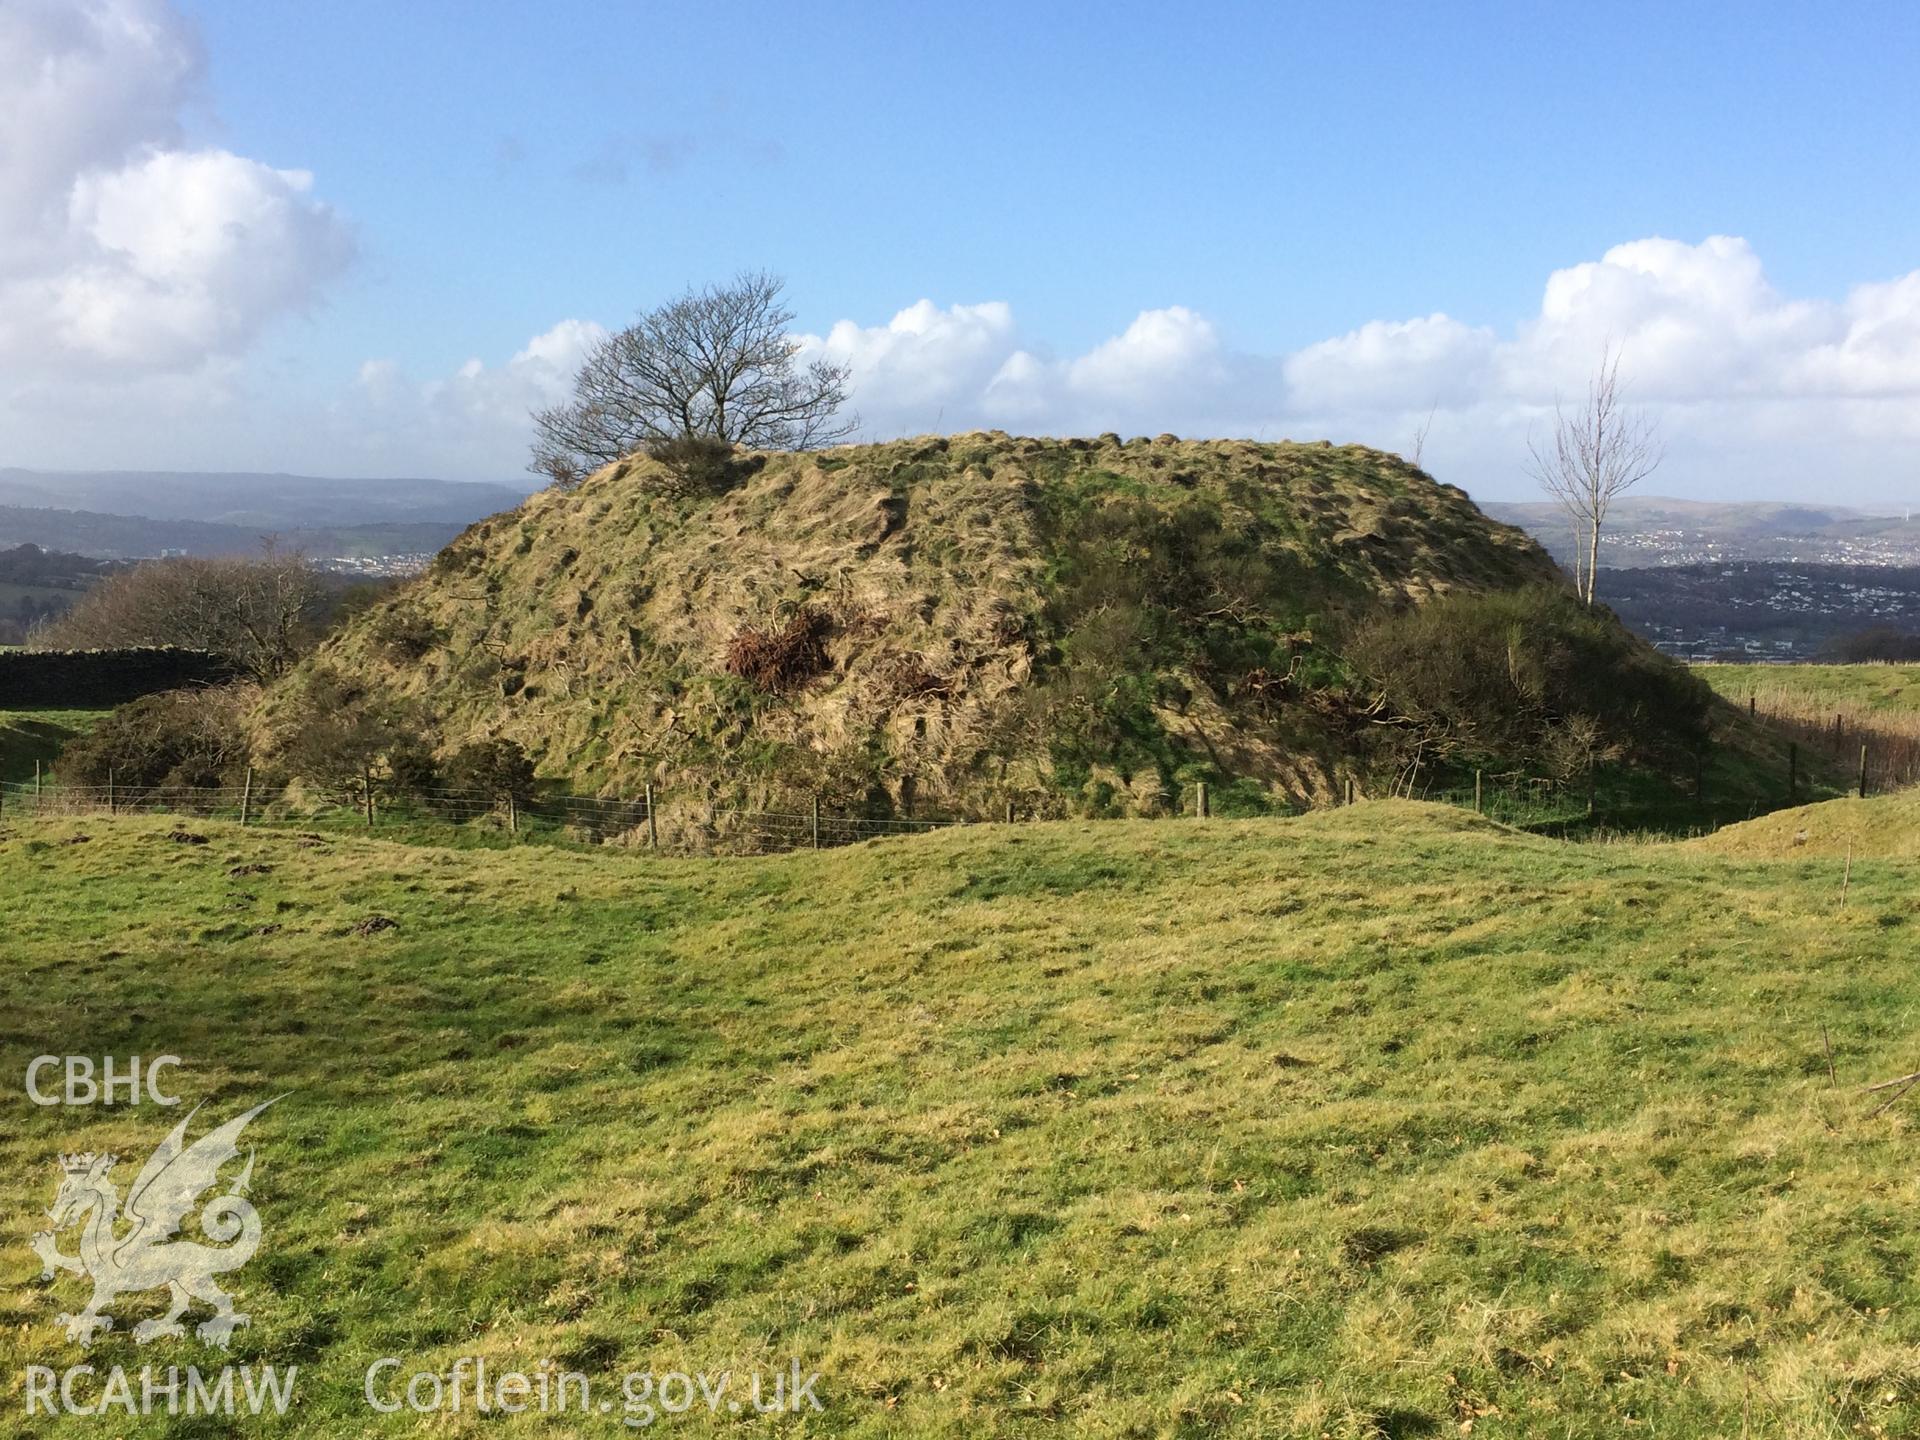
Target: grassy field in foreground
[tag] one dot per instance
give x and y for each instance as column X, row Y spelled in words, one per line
column 1382, row 1121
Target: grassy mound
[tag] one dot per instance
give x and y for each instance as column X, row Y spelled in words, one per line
column 1885, row 827
column 1380, row 1121
column 941, row 624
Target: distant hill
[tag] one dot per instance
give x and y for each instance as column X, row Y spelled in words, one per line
column 133, row 537
column 945, row 622
column 256, row 501
column 1648, row 530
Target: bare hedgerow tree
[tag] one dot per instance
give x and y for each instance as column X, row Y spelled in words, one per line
column 262, row 613
column 717, row 364
column 1599, row 452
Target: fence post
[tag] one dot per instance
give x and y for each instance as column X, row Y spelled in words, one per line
column 653, row 827
column 113, row 800
column 1476, row 793
column 1863, row 772
column 513, row 814
column 246, row 796
column 36, row 784
column 366, row 793
column 1750, row 704
column 816, row 822
column 1200, row 800
column 1593, row 771
column 1793, row 769
column 1009, row 812
column 1349, row 790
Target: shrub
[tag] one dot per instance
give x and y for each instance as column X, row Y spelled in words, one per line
column 490, row 767
column 696, row 465
column 403, row 635
column 780, row 661
column 337, row 732
column 173, row 741
column 1529, row 677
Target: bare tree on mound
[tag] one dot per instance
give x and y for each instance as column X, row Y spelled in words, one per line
column 716, row 365
column 1599, row 452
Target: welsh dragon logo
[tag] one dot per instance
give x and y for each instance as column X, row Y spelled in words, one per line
column 145, row 1255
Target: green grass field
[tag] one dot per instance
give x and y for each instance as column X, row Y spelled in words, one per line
column 1884, row 688
column 1834, row 710
column 30, row 735
column 1383, row 1121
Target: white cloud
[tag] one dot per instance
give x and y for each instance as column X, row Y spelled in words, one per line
column 1759, row 393
column 907, row 369
column 964, row 366
column 1384, row 362
column 470, row 425
column 119, row 246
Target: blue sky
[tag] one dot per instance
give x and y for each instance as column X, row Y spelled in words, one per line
column 1279, row 176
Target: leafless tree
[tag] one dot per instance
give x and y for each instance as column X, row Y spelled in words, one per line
column 718, row 364
column 1420, row 436
column 260, row 614
column 1598, row 452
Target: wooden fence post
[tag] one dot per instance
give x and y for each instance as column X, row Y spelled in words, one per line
column 113, row 799
column 815, row 822
column 366, row 793
column 36, row 783
column 246, row 796
column 513, row 814
column 1793, row 769
column 1476, row 793
column 653, row 826
column 1863, row 772
column 1750, row 704
column 1009, row 812
column 1200, row 800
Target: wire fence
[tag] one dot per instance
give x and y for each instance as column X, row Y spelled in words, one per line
column 656, row 822
column 690, row 825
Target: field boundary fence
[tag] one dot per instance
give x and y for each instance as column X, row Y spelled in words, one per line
column 648, row 820
column 682, row 824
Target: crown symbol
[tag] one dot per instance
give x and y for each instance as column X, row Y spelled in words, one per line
column 81, row 1164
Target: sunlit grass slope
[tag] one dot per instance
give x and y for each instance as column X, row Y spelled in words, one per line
column 1382, row 1121
column 1888, row 688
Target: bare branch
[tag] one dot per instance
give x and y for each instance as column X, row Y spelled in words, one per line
column 717, row 363
column 1597, row 454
